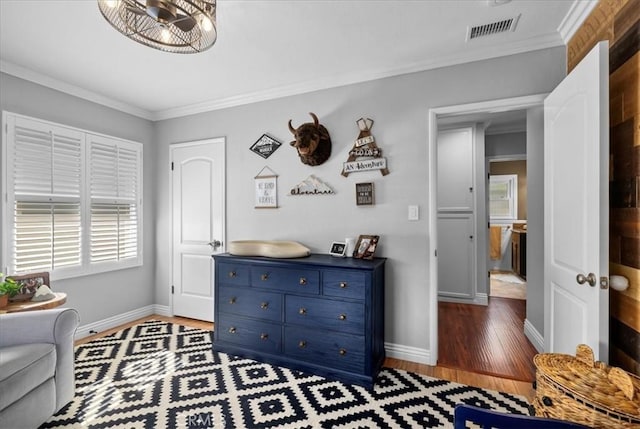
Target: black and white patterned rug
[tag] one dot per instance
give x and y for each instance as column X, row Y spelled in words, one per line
column 159, row 375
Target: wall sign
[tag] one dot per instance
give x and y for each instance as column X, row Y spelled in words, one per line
column 266, row 188
column 365, row 155
column 364, row 194
column 265, row 146
column 311, row 186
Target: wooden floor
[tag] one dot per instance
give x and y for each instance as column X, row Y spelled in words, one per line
column 459, row 376
column 486, row 339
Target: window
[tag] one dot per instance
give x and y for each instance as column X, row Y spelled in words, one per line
column 503, row 197
column 73, row 200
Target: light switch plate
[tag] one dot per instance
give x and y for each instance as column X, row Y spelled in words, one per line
column 414, row 213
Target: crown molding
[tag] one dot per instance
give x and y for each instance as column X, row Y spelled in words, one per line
column 579, row 11
column 337, row 80
column 533, row 44
column 58, row 85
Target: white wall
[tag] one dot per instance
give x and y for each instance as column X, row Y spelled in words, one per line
column 101, row 296
column 399, row 106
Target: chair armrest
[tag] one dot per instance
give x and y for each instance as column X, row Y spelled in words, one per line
column 39, row 326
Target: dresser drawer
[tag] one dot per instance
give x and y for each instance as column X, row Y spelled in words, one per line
column 333, row 350
column 285, row 279
column 344, row 284
column 252, row 303
column 233, row 274
column 254, row 334
column 325, row 313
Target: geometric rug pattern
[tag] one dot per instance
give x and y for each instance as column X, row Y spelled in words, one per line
column 159, row 375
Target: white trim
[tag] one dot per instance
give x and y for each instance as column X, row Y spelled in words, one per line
column 121, row 319
column 411, row 354
column 534, row 336
column 58, row 85
column 479, row 299
column 577, row 14
column 491, row 106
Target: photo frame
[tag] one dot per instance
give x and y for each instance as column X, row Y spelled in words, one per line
column 338, row 249
column 366, row 246
column 30, row 283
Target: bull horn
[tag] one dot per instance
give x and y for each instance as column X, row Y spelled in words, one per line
column 293, row 130
column 315, row 119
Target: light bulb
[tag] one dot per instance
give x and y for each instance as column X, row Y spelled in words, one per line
column 166, row 35
column 206, row 23
column 112, row 4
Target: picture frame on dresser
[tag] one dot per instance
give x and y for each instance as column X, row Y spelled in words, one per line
column 366, row 246
column 338, row 249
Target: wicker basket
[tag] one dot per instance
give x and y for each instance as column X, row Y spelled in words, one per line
column 580, row 390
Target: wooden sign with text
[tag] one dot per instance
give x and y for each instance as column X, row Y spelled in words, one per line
column 365, row 155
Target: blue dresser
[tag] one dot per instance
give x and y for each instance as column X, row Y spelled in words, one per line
column 319, row 314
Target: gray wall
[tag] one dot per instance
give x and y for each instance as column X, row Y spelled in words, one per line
column 535, row 219
column 106, row 295
column 399, row 106
column 501, row 145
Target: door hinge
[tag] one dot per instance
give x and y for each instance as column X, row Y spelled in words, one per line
column 173, row 290
column 436, row 253
column 171, row 165
column 489, row 274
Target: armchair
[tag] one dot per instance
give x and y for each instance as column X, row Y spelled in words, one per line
column 36, row 365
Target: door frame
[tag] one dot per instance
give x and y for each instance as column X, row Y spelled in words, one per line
column 207, row 141
column 491, row 106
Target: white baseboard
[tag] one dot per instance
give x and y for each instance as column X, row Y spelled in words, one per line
column 479, row 299
column 534, row 336
column 411, row 354
column 121, row 319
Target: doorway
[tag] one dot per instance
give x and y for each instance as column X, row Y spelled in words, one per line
column 435, row 118
column 198, row 224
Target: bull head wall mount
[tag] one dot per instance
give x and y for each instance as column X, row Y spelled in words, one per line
column 312, row 141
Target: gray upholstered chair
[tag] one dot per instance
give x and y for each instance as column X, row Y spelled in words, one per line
column 36, row 365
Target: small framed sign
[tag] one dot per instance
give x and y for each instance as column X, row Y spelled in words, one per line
column 338, row 249
column 364, row 194
column 266, row 190
column 265, row 146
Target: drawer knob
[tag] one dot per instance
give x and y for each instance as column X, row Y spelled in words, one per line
column 342, row 317
column 342, row 352
column 343, row 285
column 303, row 281
column 264, row 336
column 302, row 344
column 264, row 277
column 232, row 274
column 302, row 311
column 232, row 300
column 232, row 330
column 264, row 305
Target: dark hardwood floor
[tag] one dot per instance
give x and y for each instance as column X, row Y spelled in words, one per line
column 487, row 340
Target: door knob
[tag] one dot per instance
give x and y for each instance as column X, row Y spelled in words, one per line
column 215, row 244
column 590, row 278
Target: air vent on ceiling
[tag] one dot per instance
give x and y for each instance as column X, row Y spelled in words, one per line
column 501, row 26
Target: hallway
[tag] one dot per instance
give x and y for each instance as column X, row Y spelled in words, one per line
column 488, row 340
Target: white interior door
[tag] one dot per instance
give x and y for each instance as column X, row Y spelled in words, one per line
column 198, row 200
column 576, row 157
column 456, row 215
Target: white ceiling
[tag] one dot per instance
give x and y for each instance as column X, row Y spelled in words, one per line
column 265, row 49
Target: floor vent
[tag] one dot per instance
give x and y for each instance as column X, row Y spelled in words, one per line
column 492, row 28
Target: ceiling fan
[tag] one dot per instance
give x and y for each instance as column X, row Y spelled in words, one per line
column 182, row 26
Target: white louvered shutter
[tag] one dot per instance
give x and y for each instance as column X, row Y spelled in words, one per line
column 45, row 173
column 114, row 177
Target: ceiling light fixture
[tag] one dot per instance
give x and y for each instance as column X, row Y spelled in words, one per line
column 180, row 26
